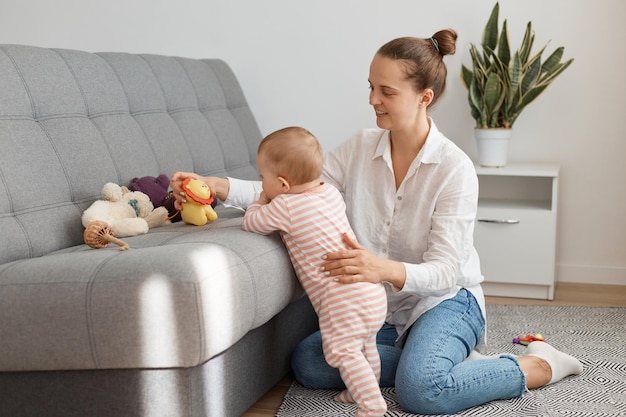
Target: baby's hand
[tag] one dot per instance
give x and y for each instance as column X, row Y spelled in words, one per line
column 263, row 198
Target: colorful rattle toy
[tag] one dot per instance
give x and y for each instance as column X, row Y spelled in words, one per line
column 525, row 340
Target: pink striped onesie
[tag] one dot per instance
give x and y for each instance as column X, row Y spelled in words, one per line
column 311, row 224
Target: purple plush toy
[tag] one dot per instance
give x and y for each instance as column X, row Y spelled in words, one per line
column 156, row 188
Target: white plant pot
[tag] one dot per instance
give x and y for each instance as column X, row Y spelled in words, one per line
column 492, row 146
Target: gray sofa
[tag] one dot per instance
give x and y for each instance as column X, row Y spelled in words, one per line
column 192, row 320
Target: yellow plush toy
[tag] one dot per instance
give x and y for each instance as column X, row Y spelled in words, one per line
column 197, row 209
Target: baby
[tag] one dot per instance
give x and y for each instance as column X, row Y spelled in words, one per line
column 311, row 218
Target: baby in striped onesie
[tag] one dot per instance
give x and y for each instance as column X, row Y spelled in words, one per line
column 311, row 218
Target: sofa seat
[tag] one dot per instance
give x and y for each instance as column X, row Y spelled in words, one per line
column 156, row 305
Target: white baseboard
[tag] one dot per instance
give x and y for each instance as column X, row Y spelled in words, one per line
column 584, row 274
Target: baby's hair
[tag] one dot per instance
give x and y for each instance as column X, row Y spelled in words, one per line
column 295, row 153
column 423, row 59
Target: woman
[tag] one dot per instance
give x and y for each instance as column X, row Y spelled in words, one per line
column 411, row 197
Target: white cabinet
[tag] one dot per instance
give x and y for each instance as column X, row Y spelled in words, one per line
column 515, row 233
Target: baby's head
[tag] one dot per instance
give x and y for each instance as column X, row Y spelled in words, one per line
column 292, row 153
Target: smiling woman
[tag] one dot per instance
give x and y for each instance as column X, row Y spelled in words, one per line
column 426, row 228
column 407, row 77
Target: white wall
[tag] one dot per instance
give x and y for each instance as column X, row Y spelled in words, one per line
column 306, row 63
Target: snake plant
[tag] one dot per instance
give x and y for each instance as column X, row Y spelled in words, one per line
column 499, row 85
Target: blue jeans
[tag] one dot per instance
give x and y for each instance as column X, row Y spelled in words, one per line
column 429, row 372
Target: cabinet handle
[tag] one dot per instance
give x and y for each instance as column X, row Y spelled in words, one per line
column 499, row 221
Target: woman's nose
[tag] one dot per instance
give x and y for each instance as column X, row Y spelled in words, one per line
column 374, row 98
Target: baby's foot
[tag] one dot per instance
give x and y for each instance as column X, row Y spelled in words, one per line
column 344, row 397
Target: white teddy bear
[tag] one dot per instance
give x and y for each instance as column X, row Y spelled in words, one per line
column 129, row 213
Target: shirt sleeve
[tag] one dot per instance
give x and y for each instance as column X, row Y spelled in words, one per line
column 336, row 164
column 450, row 242
column 266, row 218
column 242, row 193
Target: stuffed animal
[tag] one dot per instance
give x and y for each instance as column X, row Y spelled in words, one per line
column 128, row 213
column 197, row 209
column 156, row 188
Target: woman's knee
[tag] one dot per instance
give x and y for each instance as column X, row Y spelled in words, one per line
column 423, row 398
column 421, row 388
column 412, row 390
column 310, row 368
column 303, row 358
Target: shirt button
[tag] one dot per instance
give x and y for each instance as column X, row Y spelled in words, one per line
column 388, row 223
column 399, row 197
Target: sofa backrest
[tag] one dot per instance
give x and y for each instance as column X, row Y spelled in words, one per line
column 71, row 121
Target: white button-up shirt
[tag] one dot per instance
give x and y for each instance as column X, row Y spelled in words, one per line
column 427, row 223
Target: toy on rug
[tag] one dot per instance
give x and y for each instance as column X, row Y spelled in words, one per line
column 156, row 188
column 197, row 209
column 128, row 213
column 99, row 234
column 525, row 340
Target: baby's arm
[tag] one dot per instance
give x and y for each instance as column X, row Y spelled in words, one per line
column 266, row 218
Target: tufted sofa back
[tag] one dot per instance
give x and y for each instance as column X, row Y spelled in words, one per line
column 71, row 121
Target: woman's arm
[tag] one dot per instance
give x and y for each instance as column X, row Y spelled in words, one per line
column 231, row 191
column 359, row 264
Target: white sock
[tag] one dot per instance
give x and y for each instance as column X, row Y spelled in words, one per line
column 561, row 363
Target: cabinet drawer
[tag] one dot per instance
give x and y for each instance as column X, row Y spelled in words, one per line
column 516, row 246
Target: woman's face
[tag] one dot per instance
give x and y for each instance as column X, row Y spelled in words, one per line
column 393, row 97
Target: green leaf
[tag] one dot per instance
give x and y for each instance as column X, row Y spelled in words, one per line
column 476, row 103
column 516, row 71
column 531, row 75
column 553, row 60
column 554, row 72
column 490, row 33
column 504, row 49
column 532, row 95
column 527, row 43
column 466, row 76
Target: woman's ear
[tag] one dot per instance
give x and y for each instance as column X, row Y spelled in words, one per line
column 284, row 184
column 426, row 97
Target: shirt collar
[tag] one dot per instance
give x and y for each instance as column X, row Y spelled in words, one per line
column 431, row 152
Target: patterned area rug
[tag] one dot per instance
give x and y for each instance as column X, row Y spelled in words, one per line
column 595, row 335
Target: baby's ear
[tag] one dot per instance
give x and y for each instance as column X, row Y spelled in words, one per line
column 284, row 184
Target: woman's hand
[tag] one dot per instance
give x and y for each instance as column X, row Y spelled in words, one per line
column 359, row 265
column 219, row 186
